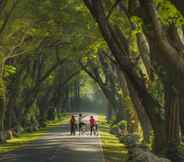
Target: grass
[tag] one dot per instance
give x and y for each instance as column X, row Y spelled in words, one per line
column 113, row 150
column 181, row 149
column 25, row 138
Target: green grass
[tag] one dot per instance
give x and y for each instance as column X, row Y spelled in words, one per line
column 26, row 138
column 113, row 150
column 181, row 149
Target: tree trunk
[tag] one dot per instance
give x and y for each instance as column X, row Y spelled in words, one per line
column 152, row 107
column 142, row 116
column 145, row 54
column 182, row 116
column 169, row 54
column 11, row 119
column 2, row 104
column 109, row 111
column 173, row 121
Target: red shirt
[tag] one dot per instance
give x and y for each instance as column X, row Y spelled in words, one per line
column 92, row 122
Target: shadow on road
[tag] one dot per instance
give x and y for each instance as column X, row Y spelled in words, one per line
column 58, row 146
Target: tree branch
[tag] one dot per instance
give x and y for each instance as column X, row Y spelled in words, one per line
column 8, row 17
column 112, row 8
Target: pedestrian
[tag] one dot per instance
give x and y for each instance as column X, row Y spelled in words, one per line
column 93, row 125
column 80, row 123
column 72, row 125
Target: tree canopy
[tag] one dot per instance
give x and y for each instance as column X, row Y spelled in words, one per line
column 132, row 50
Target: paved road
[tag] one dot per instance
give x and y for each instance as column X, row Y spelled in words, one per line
column 58, row 146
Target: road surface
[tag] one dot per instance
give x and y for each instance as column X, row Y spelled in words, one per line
column 58, row 146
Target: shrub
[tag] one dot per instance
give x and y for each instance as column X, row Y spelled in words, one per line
column 114, row 129
column 123, row 124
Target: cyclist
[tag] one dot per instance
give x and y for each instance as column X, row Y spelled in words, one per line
column 80, row 123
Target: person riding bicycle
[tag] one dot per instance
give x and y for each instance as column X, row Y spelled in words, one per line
column 81, row 123
column 93, row 125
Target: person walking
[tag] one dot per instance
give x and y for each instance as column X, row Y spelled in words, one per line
column 72, row 125
column 92, row 122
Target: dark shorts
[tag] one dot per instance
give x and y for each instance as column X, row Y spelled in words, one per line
column 94, row 126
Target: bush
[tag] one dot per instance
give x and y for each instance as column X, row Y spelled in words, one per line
column 113, row 119
column 43, row 122
column 114, row 129
column 19, row 129
column 123, row 124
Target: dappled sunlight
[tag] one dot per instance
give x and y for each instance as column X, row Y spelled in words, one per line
column 114, row 151
column 55, row 143
column 87, row 148
column 59, row 141
column 26, row 138
column 64, row 62
column 20, row 141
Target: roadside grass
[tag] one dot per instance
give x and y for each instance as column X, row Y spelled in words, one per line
column 181, row 149
column 25, row 138
column 113, row 150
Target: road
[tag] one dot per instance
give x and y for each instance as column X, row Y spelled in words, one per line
column 58, row 146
